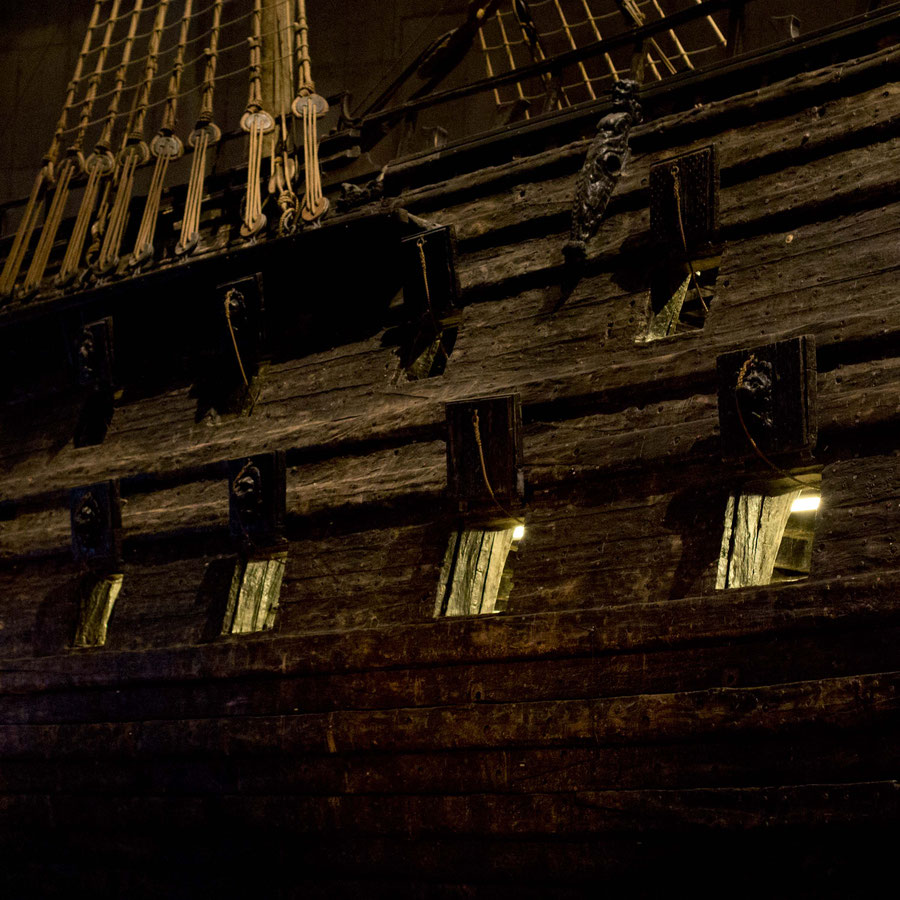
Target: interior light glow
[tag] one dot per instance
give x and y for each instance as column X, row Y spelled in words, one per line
column 518, row 532
column 809, row 503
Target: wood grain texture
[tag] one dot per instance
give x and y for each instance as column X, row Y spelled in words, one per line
column 622, row 712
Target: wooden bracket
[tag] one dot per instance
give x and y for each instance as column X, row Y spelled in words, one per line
column 430, row 282
column 96, row 515
column 484, row 458
column 768, row 393
column 684, row 201
column 256, row 498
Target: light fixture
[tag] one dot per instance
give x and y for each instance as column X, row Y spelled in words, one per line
column 808, row 503
column 518, row 532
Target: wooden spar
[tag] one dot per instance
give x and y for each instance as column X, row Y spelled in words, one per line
column 559, row 61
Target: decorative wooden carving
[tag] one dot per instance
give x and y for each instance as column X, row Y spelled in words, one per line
column 96, row 515
column 684, row 200
column 484, row 457
column 767, row 398
column 241, row 304
column 93, row 354
column 354, row 195
column 256, row 497
column 606, row 158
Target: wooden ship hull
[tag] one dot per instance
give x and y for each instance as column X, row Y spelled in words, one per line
column 623, row 723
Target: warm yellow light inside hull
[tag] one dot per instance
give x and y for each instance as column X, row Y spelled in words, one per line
column 809, row 503
column 518, row 532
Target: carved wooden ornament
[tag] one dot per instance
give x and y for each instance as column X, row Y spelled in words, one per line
column 239, row 318
column 767, row 397
column 93, row 354
column 96, row 516
column 256, row 497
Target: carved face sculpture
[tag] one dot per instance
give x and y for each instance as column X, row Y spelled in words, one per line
column 615, row 127
column 86, row 357
column 624, row 98
column 754, row 393
column 236, row 309
column 247, row 491
column 88, row 523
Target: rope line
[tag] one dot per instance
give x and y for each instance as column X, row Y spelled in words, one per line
column 676, row 187
column 90, row 96
column 146, row 34
column 71, row 91
column 756, row 448
column 233, row 73
column 671, row 32
column 476, row 425
column 204, row 135
column 309, row 106
column 257, row 123
column 100, row 162
column 488, row 65
column 569, row 24
column 574, row 46
column 35, row 274
column 599, row 37
column 439, row 332
column 166, row 146
column 30, row 216
column 133, row 154
column 511, row 58
column 237, row 353
column 283, row 165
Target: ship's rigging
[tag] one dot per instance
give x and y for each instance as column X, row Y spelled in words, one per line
column 166, row 59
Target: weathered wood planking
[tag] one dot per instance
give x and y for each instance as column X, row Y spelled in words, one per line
column 711, row 763
column 580, row 812
column 622, row 699
column 751, row 662
column 856, row 395
column 800, row 94
column 807, row 607
column 572, row 355
column 632, row 539
column 788, row 188
column 783, row 144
